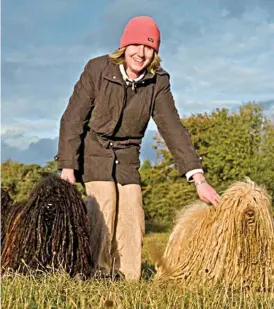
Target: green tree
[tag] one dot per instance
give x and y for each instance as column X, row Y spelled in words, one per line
column 232, row 146
column 19, row 179
column 146, row 164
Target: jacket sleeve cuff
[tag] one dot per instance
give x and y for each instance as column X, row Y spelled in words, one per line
column 67, row 164
column 191, row 173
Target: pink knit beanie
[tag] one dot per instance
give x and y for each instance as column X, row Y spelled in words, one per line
column 141, row 30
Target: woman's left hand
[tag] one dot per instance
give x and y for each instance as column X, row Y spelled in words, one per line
column 207, row 194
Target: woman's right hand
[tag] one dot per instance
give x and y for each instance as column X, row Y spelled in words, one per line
column 68, row 175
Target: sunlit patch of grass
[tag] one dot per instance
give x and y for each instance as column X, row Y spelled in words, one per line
column 59, row 291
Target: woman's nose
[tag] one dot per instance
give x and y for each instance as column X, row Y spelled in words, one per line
column 141, row 50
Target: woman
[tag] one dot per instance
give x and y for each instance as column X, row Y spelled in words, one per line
column 101, row 132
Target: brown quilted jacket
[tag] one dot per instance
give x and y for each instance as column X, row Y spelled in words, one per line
column 103, row 125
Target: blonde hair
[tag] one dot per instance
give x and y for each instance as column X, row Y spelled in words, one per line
column 118, row 57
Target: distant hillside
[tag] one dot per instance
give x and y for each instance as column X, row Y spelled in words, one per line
column 45, row 149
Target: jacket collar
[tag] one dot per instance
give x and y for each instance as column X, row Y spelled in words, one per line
column 113, row 73
column 128, row 79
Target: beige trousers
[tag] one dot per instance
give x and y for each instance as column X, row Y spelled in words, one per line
column 117, row 226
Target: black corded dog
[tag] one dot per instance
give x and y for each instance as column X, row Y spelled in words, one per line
column 48, row 232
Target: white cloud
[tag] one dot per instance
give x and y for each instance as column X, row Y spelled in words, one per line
column 21, row 133
column 44, row 55
column 40, row 81
column 31, row 109
column 221, row 65
column 17, row 136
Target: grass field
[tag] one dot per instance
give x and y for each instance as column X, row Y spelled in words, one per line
column 58, row 291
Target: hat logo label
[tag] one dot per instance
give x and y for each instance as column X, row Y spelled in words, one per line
column 150, row 40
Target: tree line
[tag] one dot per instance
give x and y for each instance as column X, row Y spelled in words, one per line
column 232, row 145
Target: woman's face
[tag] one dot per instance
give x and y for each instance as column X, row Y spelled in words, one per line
column 137, row 58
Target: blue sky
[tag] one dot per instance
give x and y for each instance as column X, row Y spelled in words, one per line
column 219, row 54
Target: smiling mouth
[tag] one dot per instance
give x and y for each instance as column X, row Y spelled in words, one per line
column 138, row 60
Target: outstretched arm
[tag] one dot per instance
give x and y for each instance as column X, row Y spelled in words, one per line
column 178, row 141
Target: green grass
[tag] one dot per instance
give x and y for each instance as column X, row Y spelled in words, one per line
column 58, row 291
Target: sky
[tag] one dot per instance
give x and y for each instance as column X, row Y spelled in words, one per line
column 219, row 53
